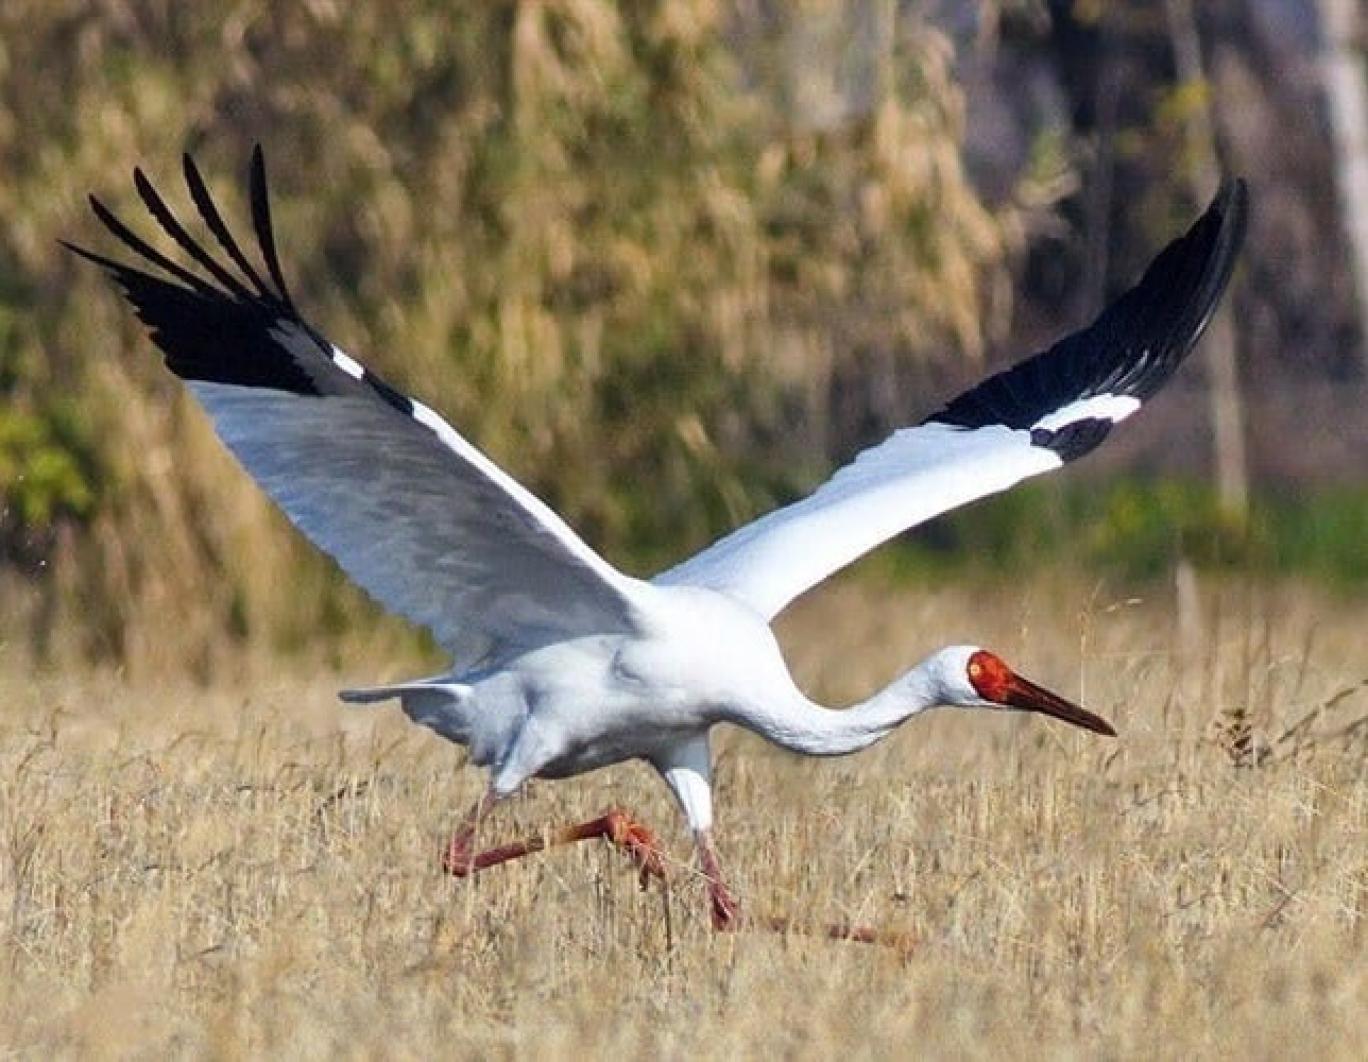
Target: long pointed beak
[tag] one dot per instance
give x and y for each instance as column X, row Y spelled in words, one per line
column 1026, row 695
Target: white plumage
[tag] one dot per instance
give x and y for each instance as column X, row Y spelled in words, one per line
column 561, row 663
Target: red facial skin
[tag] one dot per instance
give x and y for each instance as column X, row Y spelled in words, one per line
column 990, row 676
column 997, row 683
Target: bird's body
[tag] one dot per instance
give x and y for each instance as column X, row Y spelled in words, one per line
column 561, row 664
column 700, row 659
column 526, row 715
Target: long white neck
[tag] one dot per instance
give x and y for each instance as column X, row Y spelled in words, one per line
column 790, row 719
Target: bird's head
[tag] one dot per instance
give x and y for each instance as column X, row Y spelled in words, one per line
column 970, row 677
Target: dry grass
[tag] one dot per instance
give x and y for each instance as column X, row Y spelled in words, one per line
column 245, row 870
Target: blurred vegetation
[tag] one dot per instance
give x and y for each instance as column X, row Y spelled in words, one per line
column 1137, row 529
column 623, row 246
column 589, row 232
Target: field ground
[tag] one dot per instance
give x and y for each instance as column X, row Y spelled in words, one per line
column 247, row 868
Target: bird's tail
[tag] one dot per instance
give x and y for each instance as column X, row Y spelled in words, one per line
column 372, row 694
column 438, row 704
column 440, row 688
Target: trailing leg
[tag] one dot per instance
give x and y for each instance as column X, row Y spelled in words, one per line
column 459, row 858
column 617, row 826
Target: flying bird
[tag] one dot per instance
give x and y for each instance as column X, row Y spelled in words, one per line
column 560, row 663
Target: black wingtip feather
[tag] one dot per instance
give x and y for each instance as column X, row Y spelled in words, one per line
column 261, row 218
column 142, row 247
column 226, row 334
column 204, row 202
column 1134, row 346
column 88, row 255
column 156, row 206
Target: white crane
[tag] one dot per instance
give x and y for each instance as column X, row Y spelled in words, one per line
column 560, row 663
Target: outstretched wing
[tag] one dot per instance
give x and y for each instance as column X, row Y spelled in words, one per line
column 1032, row 418
column 414, row 513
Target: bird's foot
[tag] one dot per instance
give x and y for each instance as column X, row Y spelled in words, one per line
column 726, row 912
column 727, row 917
column 637, row 841
column 902, row 943
column 458, row 859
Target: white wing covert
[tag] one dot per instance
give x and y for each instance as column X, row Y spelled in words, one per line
column 1032, row 418
column 414, row 513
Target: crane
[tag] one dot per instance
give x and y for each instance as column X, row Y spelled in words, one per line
column 560, row 663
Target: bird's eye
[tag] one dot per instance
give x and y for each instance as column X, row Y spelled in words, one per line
column 975, row 669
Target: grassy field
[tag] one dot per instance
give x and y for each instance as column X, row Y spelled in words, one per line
column 251, row 867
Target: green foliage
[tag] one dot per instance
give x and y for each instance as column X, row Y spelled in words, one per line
column 45, row 468
column 48, row 469
column 1325, row 535
column 1138, row 529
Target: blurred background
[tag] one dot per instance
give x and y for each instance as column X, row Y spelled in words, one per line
column 671, row 261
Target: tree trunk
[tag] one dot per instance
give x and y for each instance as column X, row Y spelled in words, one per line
column 1346, row 92
column 1223, row 379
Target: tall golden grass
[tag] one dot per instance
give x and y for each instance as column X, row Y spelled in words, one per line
column 248, row 868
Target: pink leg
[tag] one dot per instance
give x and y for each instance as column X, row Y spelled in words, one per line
column 726, row 912
column 616, row 825
column 458, row 857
